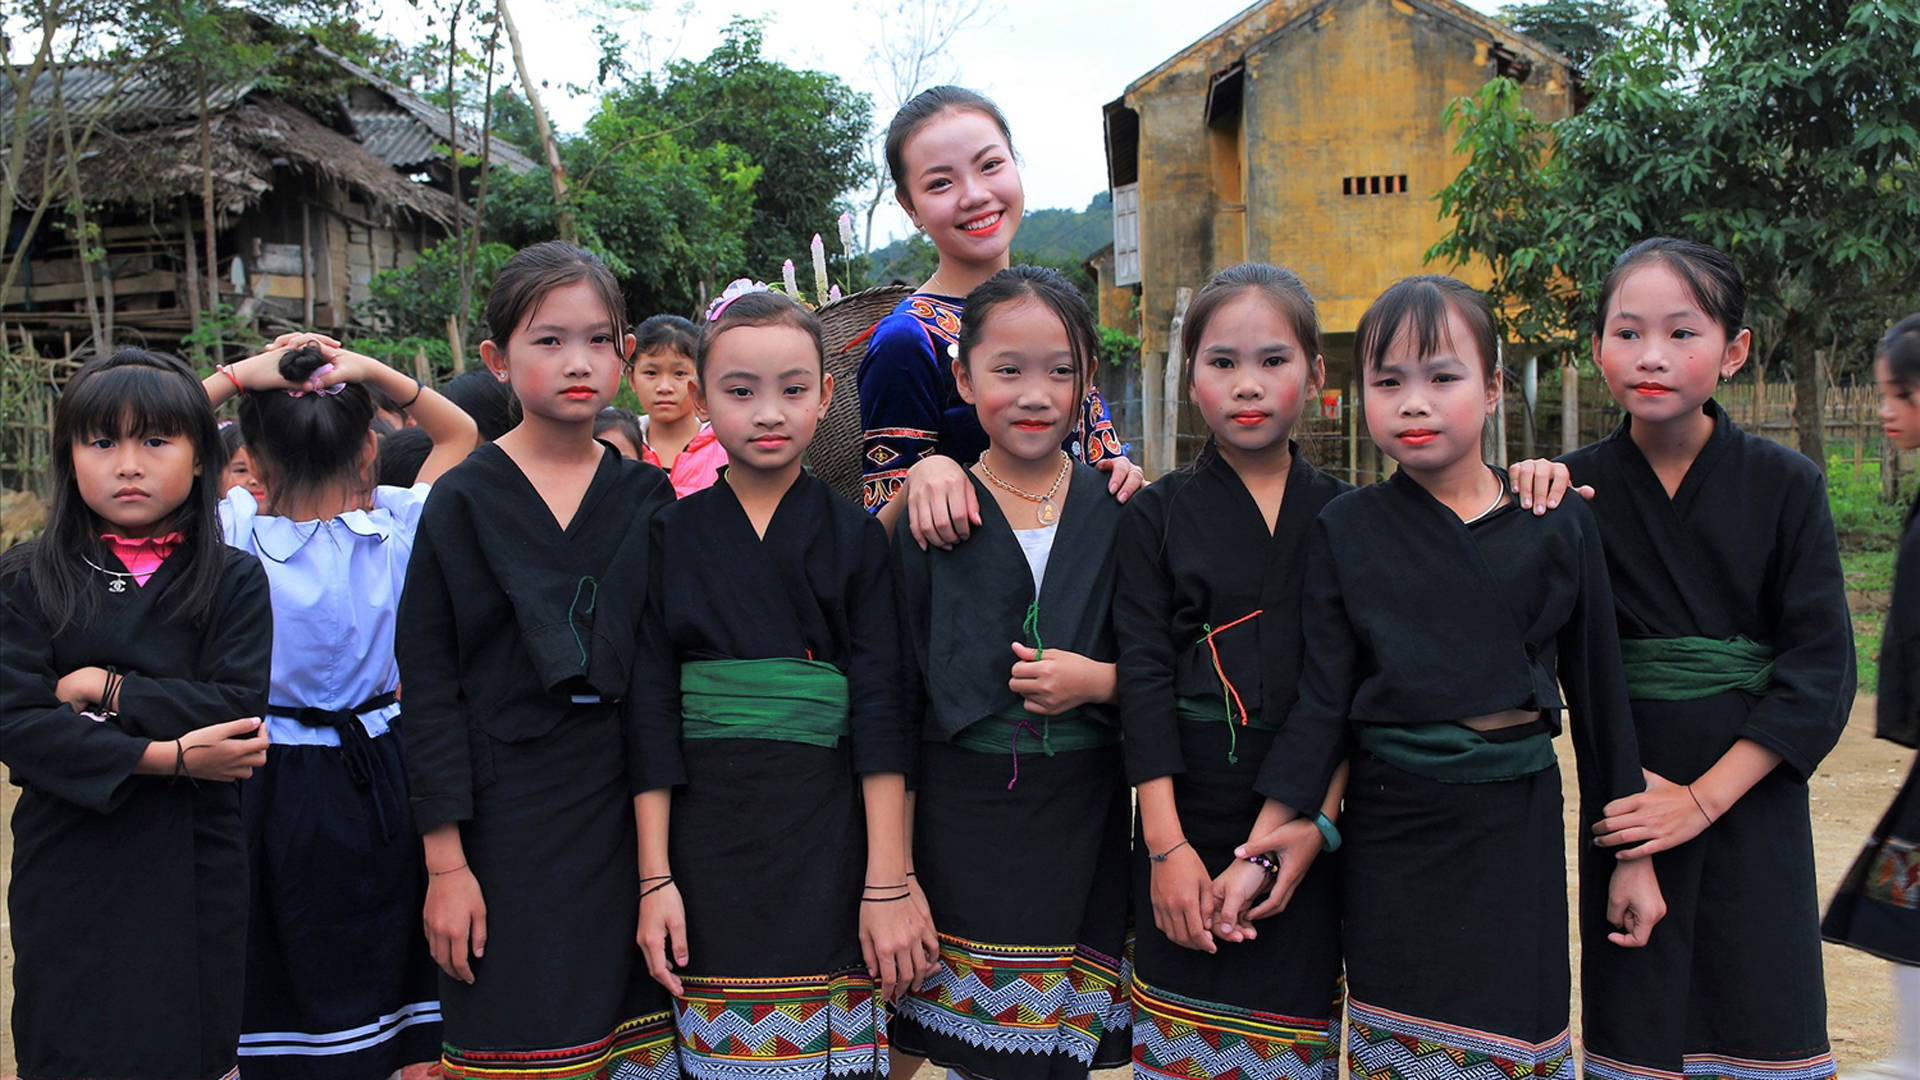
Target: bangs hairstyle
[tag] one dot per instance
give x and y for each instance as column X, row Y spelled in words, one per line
column 1278, row 286
column 1712, row 280
column 307, row 444
column 917, row 113
column 132, row 394
column 757, row 309
column 666, row 333
column 1419, row 306
column 1044, row 286
column 1901, row 350
column 535, row 271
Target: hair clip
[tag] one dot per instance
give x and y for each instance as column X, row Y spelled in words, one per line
column 736, row 289
column 322, row 390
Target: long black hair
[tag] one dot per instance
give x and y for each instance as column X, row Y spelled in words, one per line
column 304, row 442
column 131, row 394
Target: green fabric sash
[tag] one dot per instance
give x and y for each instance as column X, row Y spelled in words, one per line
column 1205, row 709
column 1454, row 753
column 1685, row 668
column 802, row 701
column 1008, row 730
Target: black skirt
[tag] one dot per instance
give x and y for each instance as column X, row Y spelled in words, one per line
column 1731, row 984
column 562, row 993
column 129, row 933
column 768, row 847
column 1254, row 1010
column 340, row 984
column 1878, row 906
column 1028, row 889
column 1455, row 928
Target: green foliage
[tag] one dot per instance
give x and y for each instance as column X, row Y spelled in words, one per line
column 1579, row 29
column 219, row 332
column 1861, row 516
column 1783, row 134
column 1118, row 349
column 806, row 130
column 411, row 304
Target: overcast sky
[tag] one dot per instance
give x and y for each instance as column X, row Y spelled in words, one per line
column 1050, row 64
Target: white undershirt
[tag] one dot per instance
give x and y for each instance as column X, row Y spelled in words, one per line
column 1037, row 544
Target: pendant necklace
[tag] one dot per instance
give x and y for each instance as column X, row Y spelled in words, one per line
column 1047, row 512
column 117, row 582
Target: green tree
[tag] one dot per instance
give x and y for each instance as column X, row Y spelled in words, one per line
column 1784, row 134
column 1579, row 29
column 806, row 130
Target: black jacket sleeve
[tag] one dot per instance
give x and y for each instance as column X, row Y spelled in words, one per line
column 1593, row 678
column 236, row 658
column 883, row 733
column 1314, row 740
column 653, row 696
column 1142, row 618
column 426, row 642
column 1813, row 664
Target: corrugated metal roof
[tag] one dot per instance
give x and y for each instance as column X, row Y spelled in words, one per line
column 125, row 99
column 387, row 139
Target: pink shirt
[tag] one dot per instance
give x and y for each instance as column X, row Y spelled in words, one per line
column 697, row 467
column 143, row 556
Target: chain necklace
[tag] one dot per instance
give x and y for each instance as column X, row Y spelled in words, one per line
column 1047, row 512
column 117, row 581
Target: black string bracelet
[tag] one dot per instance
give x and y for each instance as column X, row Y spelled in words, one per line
column 656, row 888
column 883, row 899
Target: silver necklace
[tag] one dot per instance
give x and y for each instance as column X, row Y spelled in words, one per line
column 1499, row 498
column 117, row 581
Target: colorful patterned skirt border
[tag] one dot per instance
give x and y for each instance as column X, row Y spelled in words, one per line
column 803, row 1029
column 1455, row 926
column 1028, row 889
column 1184, row 1039
column 1713, row 1067
column 1878, row 906
column 640, row 1049
column 1386, row 1045
column 1253, row 1010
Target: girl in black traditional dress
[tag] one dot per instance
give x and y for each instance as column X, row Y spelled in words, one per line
column 1020, row 817
column 1878, row 908
column 1211, row 560
column 1446, row 633
column 133, row 671
column 515, row 640
column 771, row 737
column 1733, row 625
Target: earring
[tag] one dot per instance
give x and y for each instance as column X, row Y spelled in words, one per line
column 501, row 375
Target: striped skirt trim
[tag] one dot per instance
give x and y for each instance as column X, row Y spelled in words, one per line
column 1187, row 1039
column 1386, row 1045
column 805, row 1028
column 640, row 1049
column 1715, row 1067
column 1024, row 999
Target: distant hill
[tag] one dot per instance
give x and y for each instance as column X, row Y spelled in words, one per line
column 1053, row 236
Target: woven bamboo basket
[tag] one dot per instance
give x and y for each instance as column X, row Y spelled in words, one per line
column 845, row 325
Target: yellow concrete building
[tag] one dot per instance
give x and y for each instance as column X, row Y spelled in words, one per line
column 1305, row 133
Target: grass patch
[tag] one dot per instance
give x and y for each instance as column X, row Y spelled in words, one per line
column 1869, row 530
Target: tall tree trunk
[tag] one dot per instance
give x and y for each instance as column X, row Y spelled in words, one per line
column 206, row 202
column 471, row 253
column 562, row 204
column 1809, row 390
column 78, row 206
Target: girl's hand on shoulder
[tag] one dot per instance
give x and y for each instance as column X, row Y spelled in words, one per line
column 82, row 687
column 1184, row 901
column 1123, row 477
column 456, row 921
column 1541, row 483
column 942, row 507
column 1634, row 903
column 1055, row 681
column 663, row 934
column 1664, row 816
column 892, row 932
